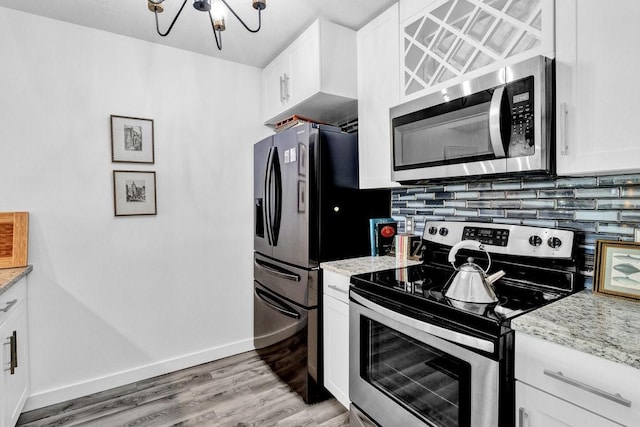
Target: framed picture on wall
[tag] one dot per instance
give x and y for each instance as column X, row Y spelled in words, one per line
column 617, row 269
column 131, row 140
column 134, row 193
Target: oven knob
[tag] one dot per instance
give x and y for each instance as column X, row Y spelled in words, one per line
column 535, row 240
column 444, row 231
column 554, row 242
column 433, row 230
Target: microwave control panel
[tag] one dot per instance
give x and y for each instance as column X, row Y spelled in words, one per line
column 521, row 101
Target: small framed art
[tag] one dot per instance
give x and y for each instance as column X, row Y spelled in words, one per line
column 134, row 193
column 617, row 269
column 131, row 140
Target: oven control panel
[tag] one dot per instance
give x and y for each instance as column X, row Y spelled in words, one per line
column 487, row 236
column 505, row 239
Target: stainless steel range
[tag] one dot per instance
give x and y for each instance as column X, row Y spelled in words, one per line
column 423, row 353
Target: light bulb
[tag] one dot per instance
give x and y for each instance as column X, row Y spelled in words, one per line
column 218, row 10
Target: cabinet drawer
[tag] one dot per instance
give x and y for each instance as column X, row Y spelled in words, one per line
column 10, row 299
column 535, row 408
column 336, row 285
column 604, row 387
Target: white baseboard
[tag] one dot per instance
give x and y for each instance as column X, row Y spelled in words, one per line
column 74, row 391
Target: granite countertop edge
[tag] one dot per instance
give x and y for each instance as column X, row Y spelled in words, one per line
column 366, row 264
column 11, row 276
column 596, row 324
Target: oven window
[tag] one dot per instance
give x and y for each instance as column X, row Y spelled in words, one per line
column 431, row 384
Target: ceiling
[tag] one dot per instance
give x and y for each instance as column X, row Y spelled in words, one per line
column 282, row 22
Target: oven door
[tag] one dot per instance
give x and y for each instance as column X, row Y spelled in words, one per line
column 400, row 374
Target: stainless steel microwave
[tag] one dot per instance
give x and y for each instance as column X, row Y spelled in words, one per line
column 498, row 124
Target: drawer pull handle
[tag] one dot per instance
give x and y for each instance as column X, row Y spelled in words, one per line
column 9, row 305
column 617, row 398
column 335, row 288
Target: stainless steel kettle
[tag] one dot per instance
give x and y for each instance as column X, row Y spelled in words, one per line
column 470, row 282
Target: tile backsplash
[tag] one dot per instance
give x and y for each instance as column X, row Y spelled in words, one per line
column 599, row 208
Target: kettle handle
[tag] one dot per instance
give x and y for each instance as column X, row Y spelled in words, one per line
column 467, row 244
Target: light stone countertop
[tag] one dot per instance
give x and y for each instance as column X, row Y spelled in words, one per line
column 10, row 276
column 351, row 266
column 596, row 324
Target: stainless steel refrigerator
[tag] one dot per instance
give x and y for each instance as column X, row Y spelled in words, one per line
column 308, row 209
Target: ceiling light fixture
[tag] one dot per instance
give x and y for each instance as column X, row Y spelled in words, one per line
column 217, row 15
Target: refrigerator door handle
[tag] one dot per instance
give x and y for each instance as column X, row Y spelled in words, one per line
column 276, row 271
column 267, row 195
column 277, row 177
column 276, row 304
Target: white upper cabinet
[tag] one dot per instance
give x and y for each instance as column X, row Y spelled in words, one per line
column 596, row 64
column 315, row 77
column 448, row 41
column 378, row 89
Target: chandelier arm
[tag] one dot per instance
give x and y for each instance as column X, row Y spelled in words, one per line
column 216, row 33
column 172, row 22
column 241, row 21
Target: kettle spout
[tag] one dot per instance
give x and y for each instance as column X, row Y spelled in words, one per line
column 495, row 276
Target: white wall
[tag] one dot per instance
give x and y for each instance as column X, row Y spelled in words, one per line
column 116, row 299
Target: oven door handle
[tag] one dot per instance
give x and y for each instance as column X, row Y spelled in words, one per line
column 445, row 334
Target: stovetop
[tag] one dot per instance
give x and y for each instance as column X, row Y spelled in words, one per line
column 538, row 263
column 421, row 287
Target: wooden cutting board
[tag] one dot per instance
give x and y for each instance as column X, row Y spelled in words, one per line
column 14, row 239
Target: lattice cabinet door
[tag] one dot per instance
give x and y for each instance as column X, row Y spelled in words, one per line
column 452, row 40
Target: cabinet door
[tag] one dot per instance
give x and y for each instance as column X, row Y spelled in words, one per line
column 378, row 88
column 535, row 408
column 304, row 57
column 336, row 348
column 596, row 67
column 453, row 40
column 274, row 84
column 14, row 385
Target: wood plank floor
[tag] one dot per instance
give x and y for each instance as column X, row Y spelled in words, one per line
column 240, row 390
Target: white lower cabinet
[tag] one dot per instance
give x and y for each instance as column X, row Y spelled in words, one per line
column 336, row 335
column 535, row 408
column 560, row 386
column 14, row 377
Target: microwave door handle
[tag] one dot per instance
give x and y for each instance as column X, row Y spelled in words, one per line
column 494, row 122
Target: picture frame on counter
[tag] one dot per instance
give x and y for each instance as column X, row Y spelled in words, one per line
column 134, row 193
column 617, row 269
column 132, row 140
column 636, row 235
